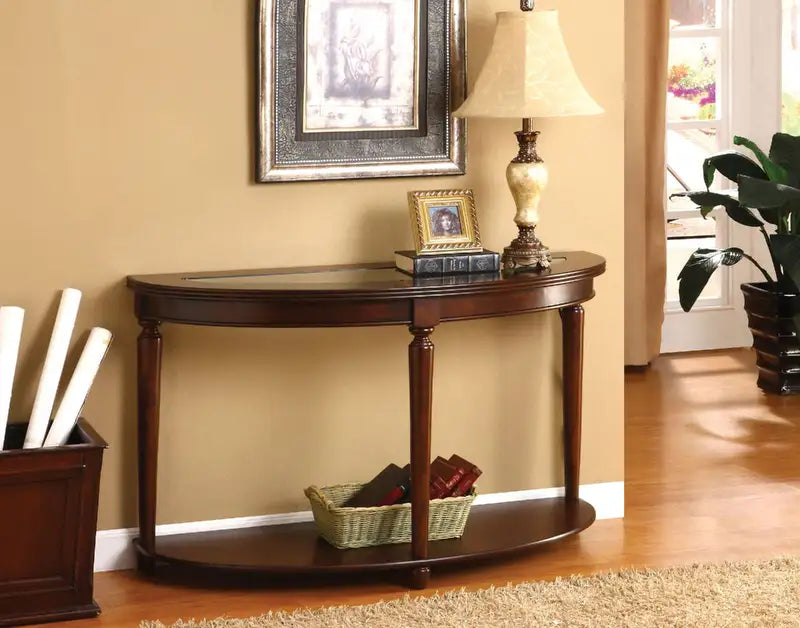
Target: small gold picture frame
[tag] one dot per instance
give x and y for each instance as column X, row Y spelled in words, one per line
column 444, row 221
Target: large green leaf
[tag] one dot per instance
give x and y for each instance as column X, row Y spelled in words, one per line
column 794, row 211
column 698, row 270
column 785, row 151
column 786, row 249
column 765, row 194
column 743, row 216
column 730, row 165
column 774, row 171
column 772, row 215
column 708, row 201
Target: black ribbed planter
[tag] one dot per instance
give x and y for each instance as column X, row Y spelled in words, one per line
column 774, row 337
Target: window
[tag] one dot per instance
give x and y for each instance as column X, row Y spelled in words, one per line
column 791, row 67
column 725, row 78
column 698, row 123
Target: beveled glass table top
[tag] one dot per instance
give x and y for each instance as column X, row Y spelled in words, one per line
column 358, row 294
column 327, row 278
column 359, row 278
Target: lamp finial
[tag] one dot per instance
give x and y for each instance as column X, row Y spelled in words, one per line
column 526, row 5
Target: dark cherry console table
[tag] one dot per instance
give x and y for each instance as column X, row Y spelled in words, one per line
column 360, row 295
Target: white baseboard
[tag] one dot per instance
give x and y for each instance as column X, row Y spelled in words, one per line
column 114, row 550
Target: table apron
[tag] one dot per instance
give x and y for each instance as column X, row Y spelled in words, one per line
column 351, row 312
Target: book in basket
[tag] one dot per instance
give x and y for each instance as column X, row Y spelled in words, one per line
column 347, row 527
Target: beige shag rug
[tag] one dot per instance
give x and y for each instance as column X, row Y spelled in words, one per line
column 729, row 594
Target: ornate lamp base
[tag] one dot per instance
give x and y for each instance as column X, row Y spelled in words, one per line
column 527, row 177
column 526, row 251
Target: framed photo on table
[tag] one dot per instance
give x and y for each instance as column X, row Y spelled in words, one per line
column 444, row 221
column 353, row 89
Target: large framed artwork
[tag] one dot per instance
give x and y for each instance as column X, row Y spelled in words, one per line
column 360, row 88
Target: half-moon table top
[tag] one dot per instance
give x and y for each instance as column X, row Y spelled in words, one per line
column 358, row 294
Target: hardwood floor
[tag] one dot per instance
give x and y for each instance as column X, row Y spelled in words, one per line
column 712, row 474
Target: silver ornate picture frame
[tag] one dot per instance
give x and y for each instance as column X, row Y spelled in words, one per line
column 351, row 89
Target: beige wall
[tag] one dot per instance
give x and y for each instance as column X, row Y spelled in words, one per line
column 125, row 147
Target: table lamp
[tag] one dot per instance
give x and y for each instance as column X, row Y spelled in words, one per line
column 528, row 74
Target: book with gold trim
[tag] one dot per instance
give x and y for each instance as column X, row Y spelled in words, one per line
column 465, row 483
column 446, row 264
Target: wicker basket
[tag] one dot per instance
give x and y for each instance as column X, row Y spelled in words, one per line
column 380, row 525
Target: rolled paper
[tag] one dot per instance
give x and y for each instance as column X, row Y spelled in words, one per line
column 78, row 387
column 53, row 366
column 10, row 335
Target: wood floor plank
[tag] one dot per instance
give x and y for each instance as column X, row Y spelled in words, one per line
column 712, row 474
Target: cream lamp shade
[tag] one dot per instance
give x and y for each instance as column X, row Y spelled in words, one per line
column 528, row 73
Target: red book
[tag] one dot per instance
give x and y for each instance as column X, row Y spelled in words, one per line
column 399, row 490
column 438, row 487
column 394, row 496
column 450, row 473
column 444, row 479
column 458, row 461
column 377, row 488
column 465, row 484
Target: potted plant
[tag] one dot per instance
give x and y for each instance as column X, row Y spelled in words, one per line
column 768, row 199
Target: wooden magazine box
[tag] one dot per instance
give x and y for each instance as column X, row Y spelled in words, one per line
column 48, row 523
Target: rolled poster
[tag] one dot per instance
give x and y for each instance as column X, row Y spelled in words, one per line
column 53, row 366
column 10, row 334
column 78, row 387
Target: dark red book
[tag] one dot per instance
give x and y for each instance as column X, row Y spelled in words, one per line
column 438, row 487
column 465, row 483
column 465, row 464
column 450, row 473
column 464, row 486
column 445, row 477
column 399, row 491
column 378, row 487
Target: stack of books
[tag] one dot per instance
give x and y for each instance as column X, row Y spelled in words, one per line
column 451, row 477
column 447, row 263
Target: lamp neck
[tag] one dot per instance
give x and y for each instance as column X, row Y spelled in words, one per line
column 526, row 5
column 527, row 147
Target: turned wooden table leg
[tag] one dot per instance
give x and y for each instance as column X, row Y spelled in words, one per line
column 149, row 397
column 420, row 372
column 572, row 334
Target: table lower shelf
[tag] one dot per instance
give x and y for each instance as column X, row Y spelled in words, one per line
column 492, row 531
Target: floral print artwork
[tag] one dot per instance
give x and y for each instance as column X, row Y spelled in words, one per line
column 361, row 65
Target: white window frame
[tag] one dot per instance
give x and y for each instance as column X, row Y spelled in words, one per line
column 750, row 77
column 757, row 26
column 722, row 126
